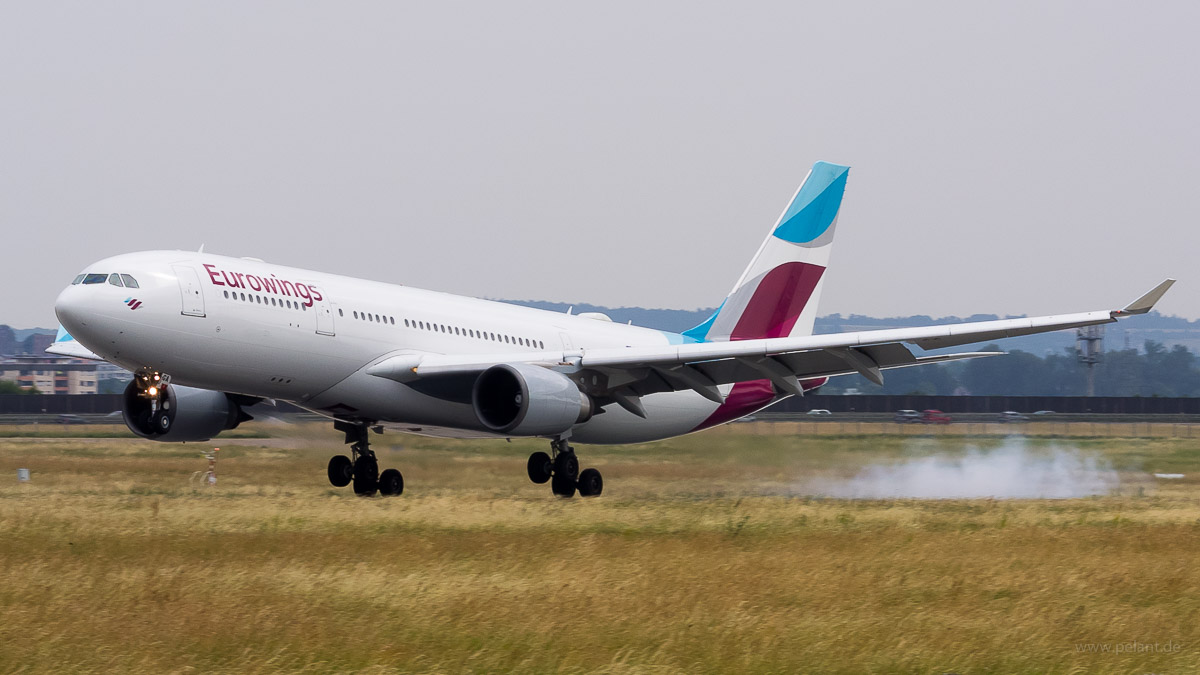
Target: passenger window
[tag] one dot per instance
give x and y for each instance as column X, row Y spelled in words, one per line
column 356, row 313
column 95, row 278
column 130, row 282
column 226, row 295
column 339, row 311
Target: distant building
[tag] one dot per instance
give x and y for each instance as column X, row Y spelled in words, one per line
column 37, row 343
column 111, row 379
column 51, row 375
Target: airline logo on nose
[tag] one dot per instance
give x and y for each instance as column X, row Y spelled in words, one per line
column 133, row 303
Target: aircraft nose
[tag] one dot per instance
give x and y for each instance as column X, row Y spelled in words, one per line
column 68, row 307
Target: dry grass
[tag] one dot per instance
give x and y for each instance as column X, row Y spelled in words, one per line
column 698, row 559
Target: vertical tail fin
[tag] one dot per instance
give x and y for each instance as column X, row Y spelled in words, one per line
column 777, row 294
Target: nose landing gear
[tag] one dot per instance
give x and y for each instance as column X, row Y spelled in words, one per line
column 363, row 469
column 562, row 471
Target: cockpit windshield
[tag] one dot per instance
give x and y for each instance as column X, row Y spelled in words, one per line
column 115, row 279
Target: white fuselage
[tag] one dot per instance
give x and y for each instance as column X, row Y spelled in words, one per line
column 247, row 327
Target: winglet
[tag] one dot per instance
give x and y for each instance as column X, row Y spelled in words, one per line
column 1146, row 302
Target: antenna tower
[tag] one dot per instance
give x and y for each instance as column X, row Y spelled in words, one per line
column 1089, row 346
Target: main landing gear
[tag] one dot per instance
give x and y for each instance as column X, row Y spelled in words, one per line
column 363, row 469
column 562, row 471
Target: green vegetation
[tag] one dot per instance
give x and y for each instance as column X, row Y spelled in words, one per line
column 10, row 387
column 700, row 558
column 1155, row 371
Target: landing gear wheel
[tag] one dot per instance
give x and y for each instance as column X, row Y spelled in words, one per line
column 562, row 486
column 540, row 467
column 591, row 484
column 341, row 470
column 566, row 465
column 366, row 476
column 391, row 483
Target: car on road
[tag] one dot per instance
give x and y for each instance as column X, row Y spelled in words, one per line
column 934, row 417
column 70, row 419
column 820, row 412
column 1012, row 416
column 906, row 417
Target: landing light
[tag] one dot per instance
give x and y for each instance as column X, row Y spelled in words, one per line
column 152, row 391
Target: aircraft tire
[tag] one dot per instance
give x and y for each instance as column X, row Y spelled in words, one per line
column 340, row 471
column 391, row 483
column 566, row 465
column 562, row 486
column 540, row 467
column 591, row 483
column 366, row 476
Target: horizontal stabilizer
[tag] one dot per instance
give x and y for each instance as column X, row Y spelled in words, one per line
column 65, row 345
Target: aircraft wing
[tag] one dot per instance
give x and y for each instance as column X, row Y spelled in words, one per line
column 626, row 373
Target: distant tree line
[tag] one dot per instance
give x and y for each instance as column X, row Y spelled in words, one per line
column 10, row 387
column 1153, row 371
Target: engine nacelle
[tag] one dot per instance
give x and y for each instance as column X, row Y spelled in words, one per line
column 181, row 413
column 524, row 400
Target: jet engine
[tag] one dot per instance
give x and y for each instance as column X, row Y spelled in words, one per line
column 173, row 413
column 524, row 400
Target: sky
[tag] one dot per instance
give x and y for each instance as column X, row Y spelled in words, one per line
column 1007, row 158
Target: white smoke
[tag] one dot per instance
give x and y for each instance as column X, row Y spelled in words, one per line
column 1010, row 471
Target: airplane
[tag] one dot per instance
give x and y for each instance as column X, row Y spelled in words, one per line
column 208, row 337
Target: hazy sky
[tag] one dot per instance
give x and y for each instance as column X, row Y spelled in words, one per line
column 1007, row 157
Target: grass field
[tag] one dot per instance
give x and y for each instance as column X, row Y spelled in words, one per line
column 706, row 554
